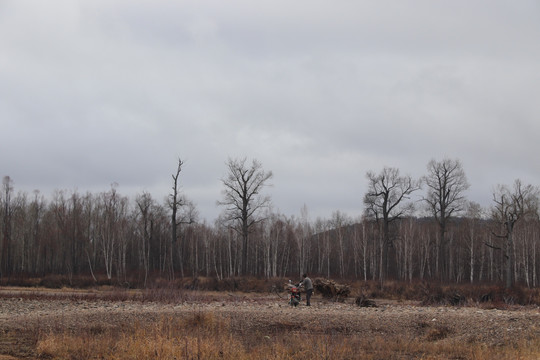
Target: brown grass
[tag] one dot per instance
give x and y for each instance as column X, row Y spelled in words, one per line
column 205, row 335
column 160, row 289
column 435, row 293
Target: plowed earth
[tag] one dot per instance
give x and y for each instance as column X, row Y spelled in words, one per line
column 24, row 319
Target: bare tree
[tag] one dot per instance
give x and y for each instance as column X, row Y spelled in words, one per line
column 243, row 199
column 36, row 211
column 112, row 212
column 145, row 225
column 511, row 206
column 446, row 183
column 5, row 258
column 406, row 247
column 340, row 222
column 471, row 225
column 384, row 201
column 303, row 232
column 176, row 203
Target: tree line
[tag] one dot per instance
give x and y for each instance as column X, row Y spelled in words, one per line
column 140, row 238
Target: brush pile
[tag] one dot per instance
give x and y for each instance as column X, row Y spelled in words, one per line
column 330, row 289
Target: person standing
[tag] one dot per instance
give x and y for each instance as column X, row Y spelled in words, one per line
column 308, row 285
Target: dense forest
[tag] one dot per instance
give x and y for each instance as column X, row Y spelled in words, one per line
column 135, row 239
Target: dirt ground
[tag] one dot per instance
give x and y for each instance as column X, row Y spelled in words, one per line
column 23, row 319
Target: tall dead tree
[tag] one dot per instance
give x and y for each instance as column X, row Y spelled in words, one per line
column 243, row 200
column 446, row 183
column 384, row 201
column 512, row 206
column 177, row 202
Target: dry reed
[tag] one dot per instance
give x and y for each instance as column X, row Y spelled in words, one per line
column 205, row 335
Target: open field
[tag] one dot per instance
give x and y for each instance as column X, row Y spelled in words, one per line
column 95, row 324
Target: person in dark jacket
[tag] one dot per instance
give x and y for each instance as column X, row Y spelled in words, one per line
column 308, row 285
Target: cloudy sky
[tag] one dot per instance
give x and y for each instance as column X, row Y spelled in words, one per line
column 94, row 92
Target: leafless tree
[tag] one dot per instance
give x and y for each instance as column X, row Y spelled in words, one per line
column 471, row 225
column 274, row 230
column 406, row 247
column 243, row 199
column 112, row 210
column 145, row 225
column 5, row 258
column 183, row 211
column 384, row 201
column 339, row 222
column 175, row 202
column 303, row 232
column 35, row 216
column 511, row 206
column 446, row 184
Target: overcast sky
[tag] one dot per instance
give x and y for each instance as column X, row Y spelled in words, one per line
column 113, row 91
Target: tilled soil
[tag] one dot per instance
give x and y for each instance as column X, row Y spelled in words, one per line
column 22, row 320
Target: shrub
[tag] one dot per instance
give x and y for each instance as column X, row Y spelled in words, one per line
column 52, row 282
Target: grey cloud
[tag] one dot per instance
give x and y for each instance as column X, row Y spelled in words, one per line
column 114, row 91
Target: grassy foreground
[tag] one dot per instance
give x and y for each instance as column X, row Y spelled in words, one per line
column 206, row 335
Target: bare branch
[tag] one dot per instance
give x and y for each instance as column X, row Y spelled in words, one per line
column 242, row 197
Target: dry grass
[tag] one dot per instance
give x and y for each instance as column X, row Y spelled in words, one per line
column 434, row 293
column 164, row 295
column 205, row 335
column 159, row 289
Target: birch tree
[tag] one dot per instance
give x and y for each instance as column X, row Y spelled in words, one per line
column 472, row 224
column 111, row 212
